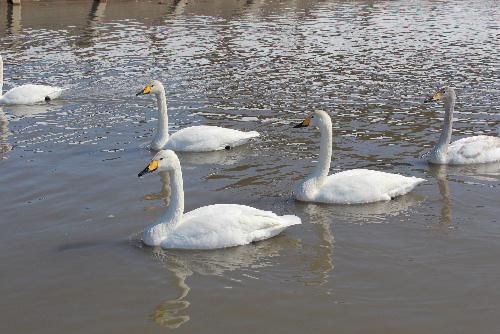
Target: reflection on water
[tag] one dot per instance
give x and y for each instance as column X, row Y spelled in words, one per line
column 322, row 263
column 440, row 172
column 167, row 314
column 4, row 134
column 479, row 174
column 225, row 157
column 31, row 110
column 165, row 190
column 14, row 26
column 377, row 212
column 90, row 33
column 485, row 173
column 209, row 262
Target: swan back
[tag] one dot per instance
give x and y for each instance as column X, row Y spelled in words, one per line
column 474, row 150
column 30, row 94
column 226, row 225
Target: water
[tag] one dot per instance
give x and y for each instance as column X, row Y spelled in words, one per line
column 72, row 207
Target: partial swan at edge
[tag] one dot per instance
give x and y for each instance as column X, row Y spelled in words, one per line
column 470, row 150
column 27, row 94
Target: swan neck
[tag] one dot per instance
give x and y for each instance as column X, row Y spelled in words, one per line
column 173, row 216
column 325, row 151
column 168, row 222
column 161, row 137
column 440, row 151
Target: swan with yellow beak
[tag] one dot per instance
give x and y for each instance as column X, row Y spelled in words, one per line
column 208, row 227
column 353, row 186
column 201, row 138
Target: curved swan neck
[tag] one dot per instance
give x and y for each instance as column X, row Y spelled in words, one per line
column 440, row 151
column 161, row 136
column 325, row 151
column 173, row 216
column 157, row 232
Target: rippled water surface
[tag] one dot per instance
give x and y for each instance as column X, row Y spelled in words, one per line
column 72, row 208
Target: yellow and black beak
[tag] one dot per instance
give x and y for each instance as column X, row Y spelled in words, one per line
column 436, row 97
column 145, row 91
column 304, row 123
column 153, row 165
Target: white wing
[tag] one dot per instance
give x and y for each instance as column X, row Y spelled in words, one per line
column 30, row 94
column 226, row 225
column 207, row 138
column 364, row 186
column 472, row 150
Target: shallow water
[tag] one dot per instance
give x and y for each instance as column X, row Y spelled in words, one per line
column 72, row 207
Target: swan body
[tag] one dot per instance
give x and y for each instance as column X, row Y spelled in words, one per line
column 356, row 186
column 195, row 138
column 27, row 94
column 205, row 138
column 353, row 186
column 470, row 150
column 208, row 227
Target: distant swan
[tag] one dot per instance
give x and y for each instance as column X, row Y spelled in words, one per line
column 470, row 150
column 27, row 94
column 208, row 227
column 348, row 187
column 201, row 138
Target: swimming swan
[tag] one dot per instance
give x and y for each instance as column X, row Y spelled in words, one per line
column 201, row 138
column 27, row 94
column 208, row 227
column 348, row 187
column 471, row 150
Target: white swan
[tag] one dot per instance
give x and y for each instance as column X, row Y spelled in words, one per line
column 27, row 94
column 471, row 150
column 208, row 227
column 348, row 187
column 201, row 138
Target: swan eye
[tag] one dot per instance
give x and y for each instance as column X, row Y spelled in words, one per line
column 161, row 159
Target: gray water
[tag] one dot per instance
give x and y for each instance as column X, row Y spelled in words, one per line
column 72, row 208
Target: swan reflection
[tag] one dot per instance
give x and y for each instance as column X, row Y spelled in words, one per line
column 322, row 262
column 5, row 146
column 440, row 172
column 165, row 190
column 224, row 157
column 172, row 313
column 375, row 212
column 480, row 173
column 30, row 110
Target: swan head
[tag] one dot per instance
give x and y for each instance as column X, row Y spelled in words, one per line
column 155, row 87
column 315, row 119
column 442, row 94
column 164, row 160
